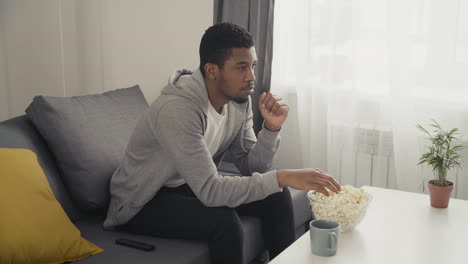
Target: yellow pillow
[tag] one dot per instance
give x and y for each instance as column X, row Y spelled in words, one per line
column 33, row 226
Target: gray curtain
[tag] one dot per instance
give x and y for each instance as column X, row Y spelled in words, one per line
column 257, row 17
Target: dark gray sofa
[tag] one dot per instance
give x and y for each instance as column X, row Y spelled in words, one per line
column 19, row 132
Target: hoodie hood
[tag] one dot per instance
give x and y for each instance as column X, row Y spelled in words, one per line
column 189, row 84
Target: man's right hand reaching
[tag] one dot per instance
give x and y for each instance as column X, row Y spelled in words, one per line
column 308, row 179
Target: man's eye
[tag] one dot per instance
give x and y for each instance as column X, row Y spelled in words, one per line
column 242, row 68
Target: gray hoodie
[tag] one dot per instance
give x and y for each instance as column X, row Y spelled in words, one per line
column 168, row 140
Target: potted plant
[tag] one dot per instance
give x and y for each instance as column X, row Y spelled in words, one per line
column 442, row 155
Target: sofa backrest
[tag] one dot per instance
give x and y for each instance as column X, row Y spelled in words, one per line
column 19, row 132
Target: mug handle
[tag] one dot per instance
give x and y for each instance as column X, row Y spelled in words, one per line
column 332, row 241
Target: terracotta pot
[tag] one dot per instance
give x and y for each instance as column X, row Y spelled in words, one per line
column 440, row 195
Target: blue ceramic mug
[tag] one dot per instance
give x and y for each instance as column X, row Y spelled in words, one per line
column 324, row 237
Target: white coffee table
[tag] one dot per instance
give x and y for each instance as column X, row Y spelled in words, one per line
column 399, row 227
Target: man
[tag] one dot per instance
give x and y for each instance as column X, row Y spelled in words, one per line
column 168, row 184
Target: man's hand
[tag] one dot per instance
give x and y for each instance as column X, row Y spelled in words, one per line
column 274, row 111
column 308, row 179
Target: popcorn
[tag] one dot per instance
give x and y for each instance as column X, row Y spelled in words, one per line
column 347, row 207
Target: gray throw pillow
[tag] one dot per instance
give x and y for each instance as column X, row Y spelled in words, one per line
column 88, row 136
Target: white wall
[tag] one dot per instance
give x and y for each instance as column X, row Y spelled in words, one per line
column 75, row 47
column 4, row 112
column 31, row 49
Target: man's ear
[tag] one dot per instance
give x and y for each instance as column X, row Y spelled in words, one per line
column 211, row 71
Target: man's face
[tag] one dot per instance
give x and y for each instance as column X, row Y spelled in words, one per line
column 237, row 75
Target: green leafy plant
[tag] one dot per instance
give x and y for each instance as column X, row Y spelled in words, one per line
column 443, row 153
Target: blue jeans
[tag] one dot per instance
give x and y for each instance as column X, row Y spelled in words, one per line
column 177, row 213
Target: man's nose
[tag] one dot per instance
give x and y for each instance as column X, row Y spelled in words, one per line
column 250, row 75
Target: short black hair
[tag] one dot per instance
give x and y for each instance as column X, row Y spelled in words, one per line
column 218, row 40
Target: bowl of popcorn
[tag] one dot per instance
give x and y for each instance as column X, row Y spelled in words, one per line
column 347, row 207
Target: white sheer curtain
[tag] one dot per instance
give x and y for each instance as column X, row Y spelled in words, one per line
column 360, row 74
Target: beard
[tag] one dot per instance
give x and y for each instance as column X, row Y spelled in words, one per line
column 239, row 100
column 236, row 99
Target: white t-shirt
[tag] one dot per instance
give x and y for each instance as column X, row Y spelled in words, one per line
column 214, row 135
column 216, row 125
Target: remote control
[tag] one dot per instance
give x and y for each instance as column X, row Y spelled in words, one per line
column 134, row 244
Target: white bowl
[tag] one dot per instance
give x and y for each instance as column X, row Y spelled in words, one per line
column 347, row 215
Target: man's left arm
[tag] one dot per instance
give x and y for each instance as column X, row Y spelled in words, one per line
column 257, row 155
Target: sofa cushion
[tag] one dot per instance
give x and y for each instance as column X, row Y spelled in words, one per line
column 33, row 227
column 302, row 211
column 88, row 136
column 167, row 250
column 18, row 132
